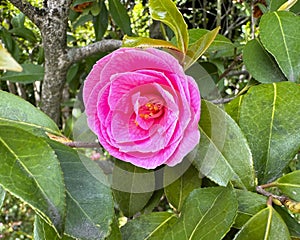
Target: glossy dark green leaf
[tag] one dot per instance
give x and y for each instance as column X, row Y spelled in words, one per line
column 266, row 224
column 43, row 231
column 2, row 195
column 82, row 19
column 25, row 33
column 90, row 209
column 145, row 42
column 279, row 33
column 249, row 203
column 153, row 202
column 224, row 154
column 30, row 170
column 178, row 191
column 120, row 15
column 167, row 12
column 149, row 226
column 196, row 49
column 132, row 187
column 260, row 64
column 208, row 213
column 269, row 118
column 15, row 111
column 100, row 21
column 289, row 185
column 291, row 222
column 31, row 73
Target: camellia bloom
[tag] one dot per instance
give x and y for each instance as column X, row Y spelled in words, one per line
column 143, row 107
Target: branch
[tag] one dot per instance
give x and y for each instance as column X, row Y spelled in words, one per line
column 77, row 54
column 33, row 13
column 82, row 144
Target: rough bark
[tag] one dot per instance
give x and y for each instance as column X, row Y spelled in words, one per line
column 52, row 21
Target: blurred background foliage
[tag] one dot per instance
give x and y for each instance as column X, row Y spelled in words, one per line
column 93, row 20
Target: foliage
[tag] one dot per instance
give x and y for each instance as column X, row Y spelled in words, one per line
column 242, row 182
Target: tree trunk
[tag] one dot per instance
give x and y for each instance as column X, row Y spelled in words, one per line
column 54, row 32
column 52, row 20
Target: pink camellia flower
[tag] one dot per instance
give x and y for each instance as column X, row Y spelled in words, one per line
column 142, row 107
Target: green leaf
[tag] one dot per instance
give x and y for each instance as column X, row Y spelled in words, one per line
column 266, row 224
column 208, row 213
column 153, row 202
column 269, row 118
column 224, row 154
column 291, row 222
column 132, row 187
column 25, row 33
column 260, row 64
column 100, row 21
column 233, row 108
column 31, row 73
column 287, row 5
column 145, row 42
column 120, row 15
column 177, row 191
column 115, row 233
column 2, row 195
column 196, row 49
column 289, row 185
column 249, row 204
column 149, row 226
column 279, row 33
column 30, row 170
column 167, row 12
column 7, row 62
column 43, row 231
column 18, row 20
column 90, row 209
column 17, row 112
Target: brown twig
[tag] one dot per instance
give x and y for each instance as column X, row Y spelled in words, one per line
column 82, row 144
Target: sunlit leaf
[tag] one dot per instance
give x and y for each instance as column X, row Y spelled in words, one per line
column 261, row 65
column 279, row 33
column 266, row 224
column 145, row 42
column 167, row 12
column 208, row 213
column 30, row 170
column 31, row 73
column 223, row 154
column 287, row 5
column 149, row 226
column 7, row 62
column 199, row 47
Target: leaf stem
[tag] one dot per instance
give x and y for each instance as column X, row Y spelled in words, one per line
column 261, row 190
column 82, row 144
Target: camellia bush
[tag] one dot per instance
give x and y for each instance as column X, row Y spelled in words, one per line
column 159, row 153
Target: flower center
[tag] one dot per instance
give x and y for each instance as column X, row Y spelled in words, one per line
column 150, row 110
